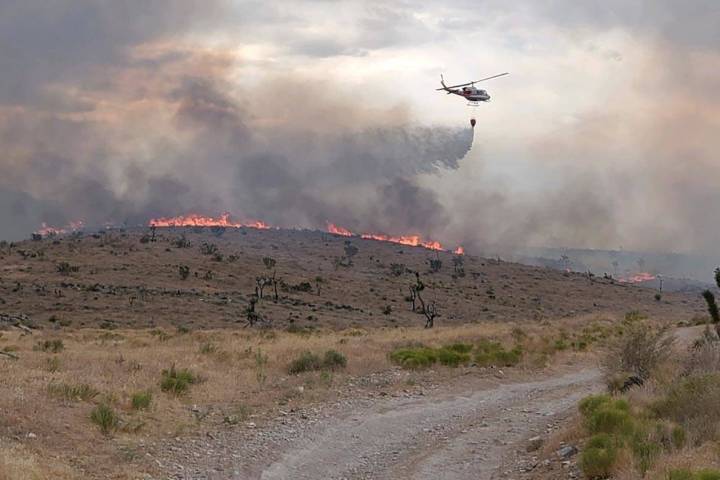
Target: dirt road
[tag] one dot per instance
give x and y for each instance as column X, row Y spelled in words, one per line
column 449, row 436
column 468, row 430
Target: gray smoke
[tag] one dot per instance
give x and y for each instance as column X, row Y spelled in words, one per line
column 110, row 112
column 111, row 124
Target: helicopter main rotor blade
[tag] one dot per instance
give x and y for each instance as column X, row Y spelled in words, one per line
column 490, row 78
column 476, row 81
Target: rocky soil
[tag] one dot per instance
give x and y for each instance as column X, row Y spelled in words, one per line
column 473, row 428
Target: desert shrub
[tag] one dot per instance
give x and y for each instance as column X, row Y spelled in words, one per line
column 208, row 348
column 610, row 418
column 685, row 474
column 183, row 271
column 678, row 436
column 64, row 268
column 634, row 316
column 208, row 248
column 704, row 356
column 52, row 364
column 141, row 400
column 180, row 242
column 639, row 351
column 452, row 358
column 460, row 347
column 414, row 357
column 589, row 405
column 83, row 391
column 176, row 381
column 301, row 287
column 490, row 353
column 54, row 346
column 645, row 449
column 599, row 456
column 397, row 269
column 334, row 360
column 692, row 402
column 309, row 361
column 104, row 417
column 306, row 362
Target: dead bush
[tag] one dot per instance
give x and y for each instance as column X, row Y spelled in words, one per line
column 638, row 352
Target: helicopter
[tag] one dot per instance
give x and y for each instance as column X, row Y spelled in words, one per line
column 469, row 92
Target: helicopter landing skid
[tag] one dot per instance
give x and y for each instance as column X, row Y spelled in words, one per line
column 473, row 104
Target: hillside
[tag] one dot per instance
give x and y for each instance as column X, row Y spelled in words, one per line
column 121, row 278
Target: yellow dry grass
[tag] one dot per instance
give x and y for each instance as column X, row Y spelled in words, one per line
column 239, row 370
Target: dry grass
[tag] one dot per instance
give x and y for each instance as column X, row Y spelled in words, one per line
column 121, row 363
column 18, row 463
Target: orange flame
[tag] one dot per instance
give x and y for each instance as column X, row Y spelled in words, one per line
column 638, row 277
column 410, row 240
column 47, row 230
column 224, row 220
column 196, row 220
column 332, row 228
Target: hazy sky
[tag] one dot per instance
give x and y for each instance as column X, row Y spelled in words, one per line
column 604, row 135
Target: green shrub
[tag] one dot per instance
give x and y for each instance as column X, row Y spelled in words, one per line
column 141, row 400
column 681, row 474
column 685, row 474
column 609, row 418
column 490, row 353
column 452, row 358
column 414, row 358
column 588, row 405
column 176, row 381
column 306, row 362
column 334, row 360
column 645, row 449
column 678, row 437
column 82, row 392
column 599, row 456
column 460, row 347
column 105, row 418
column 53, row 346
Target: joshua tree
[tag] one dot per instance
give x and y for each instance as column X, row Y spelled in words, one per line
column 251, row 315
column 435, row 263
column 430, row 312
column 319, row 281
column 415, row 290
column 712, row 305
column 350, row 251
column 260, row 284
column 459, row 265
column 269, row 262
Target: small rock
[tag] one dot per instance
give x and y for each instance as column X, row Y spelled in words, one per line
column 567, row 451
column 534, row 444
